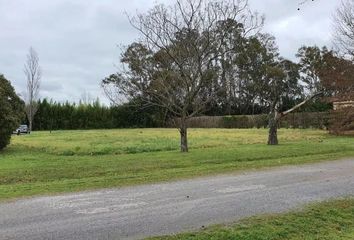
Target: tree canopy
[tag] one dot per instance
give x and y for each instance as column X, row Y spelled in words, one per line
column 11, row 111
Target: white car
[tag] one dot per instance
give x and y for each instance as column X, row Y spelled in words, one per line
column 22, row 129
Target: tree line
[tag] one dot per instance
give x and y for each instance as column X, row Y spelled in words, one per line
column 199, row 57
column 52, row 115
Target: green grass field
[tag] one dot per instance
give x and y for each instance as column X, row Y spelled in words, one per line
column 324, row 221
column 67, row 161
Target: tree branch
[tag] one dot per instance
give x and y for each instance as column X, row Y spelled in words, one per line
column 300, row 104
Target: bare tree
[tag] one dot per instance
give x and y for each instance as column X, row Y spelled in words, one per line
column 175, row 59
column 110, row 90
column 33, row 75
column 344, row 27
column 86, row 98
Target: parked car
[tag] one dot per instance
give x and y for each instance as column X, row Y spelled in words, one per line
column 22, row 129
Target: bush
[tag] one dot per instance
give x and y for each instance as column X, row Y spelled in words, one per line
column 11, row 111
column 342, row 121
column 319, row 120
column 245, row 121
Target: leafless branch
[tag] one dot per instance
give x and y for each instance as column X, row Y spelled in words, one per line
column 33, row 75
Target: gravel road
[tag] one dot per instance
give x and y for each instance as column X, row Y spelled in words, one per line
column 158, row 209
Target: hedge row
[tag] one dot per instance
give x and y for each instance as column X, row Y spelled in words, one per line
column 318, row 120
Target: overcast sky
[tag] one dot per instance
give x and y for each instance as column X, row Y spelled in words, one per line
column 77, row 39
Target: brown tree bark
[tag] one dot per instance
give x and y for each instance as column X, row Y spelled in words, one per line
column 273, row 128
column 184, row 135
column 275, row 116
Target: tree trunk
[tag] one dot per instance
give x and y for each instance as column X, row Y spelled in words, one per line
column 273, row 128
column 275, row 116
column 183, row 132
column 30, row 126
column 29, row 115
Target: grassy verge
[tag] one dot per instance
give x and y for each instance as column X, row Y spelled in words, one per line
column 324, row 221
column 68, row 161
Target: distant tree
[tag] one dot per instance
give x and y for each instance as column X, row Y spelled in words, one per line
column 33, row 75
column 11, row 111
column 258, row 53
column 86, row 98
column 310, row 61
column 174, row 65
column 337, row 76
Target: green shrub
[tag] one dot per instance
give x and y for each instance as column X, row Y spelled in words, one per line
column 11, row 111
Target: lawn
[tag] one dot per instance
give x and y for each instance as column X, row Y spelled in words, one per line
column 67, row 161
column 323, row 221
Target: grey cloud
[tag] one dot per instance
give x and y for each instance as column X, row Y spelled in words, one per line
column 312, row 25
column 77, row 40
column 51, row 86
